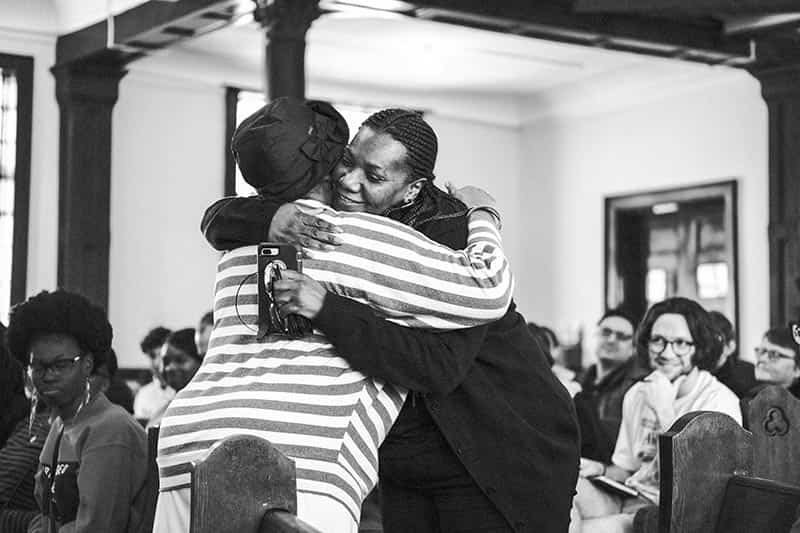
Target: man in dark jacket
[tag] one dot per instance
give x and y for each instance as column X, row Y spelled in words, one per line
column 488, row 438
column 599, row 404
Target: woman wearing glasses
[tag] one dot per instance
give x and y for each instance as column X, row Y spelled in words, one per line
column 678, row 342
column 93, row 463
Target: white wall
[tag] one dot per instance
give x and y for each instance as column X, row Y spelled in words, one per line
column 689, row 135
column 167, row 167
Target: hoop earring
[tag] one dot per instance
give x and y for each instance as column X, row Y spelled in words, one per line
column 32, row 416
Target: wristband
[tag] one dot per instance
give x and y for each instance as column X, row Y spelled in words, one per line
column 603, row 473
column 489, row 209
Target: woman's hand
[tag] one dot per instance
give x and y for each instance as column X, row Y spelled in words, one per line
column 471, row 196
column 591, row 468
column 298, row 294
column 290, row 224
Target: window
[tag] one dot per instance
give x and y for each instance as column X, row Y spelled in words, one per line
column 16, row 92
column 242, row 103
column 712, row 280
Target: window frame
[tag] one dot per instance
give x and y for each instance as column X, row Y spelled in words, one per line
column 23, row 69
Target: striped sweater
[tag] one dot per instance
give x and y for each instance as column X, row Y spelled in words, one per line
column 298, row 393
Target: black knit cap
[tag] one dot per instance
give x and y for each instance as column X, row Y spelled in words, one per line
column 285, row 148
column 409, row 129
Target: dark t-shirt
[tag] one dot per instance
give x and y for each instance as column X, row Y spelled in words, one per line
column 73, row 483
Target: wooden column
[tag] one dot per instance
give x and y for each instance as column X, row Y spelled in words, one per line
column 86, row 94
column 780, row 86
column 286, row 23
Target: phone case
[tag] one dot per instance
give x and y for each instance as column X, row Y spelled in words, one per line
column 274, row 258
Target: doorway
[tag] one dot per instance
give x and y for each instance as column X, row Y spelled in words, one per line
column 676, row 242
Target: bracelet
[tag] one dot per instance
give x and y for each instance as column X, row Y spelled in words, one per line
column 489, row 209
column 603, row 473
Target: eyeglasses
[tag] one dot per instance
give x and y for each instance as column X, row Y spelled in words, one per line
column 680, row 347
column 772, row 355
column 607, row 333
column 57, row 367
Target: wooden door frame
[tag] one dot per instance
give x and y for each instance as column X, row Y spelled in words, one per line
column 726, row 189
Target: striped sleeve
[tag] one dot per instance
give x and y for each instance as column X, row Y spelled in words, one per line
column 409, row 278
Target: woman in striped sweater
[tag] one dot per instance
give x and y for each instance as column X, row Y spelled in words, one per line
column 298, row 393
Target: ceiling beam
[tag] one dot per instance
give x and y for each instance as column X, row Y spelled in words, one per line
column 149, row 26
column 699, row 39
column 688, row 7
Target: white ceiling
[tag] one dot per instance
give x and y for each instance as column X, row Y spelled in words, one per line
column 396, row 54
column 408, row 54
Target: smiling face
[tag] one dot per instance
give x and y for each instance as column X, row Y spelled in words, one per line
column 776, row 364
column 671, row 331
column 58, row 374
column 372, row 175
column 179, row 367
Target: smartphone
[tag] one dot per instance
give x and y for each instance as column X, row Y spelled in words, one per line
column 273, row 259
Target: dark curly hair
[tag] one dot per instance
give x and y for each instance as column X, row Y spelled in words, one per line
column 707, row 343
column 59, row 312
column 155, row 338
column 183, row 339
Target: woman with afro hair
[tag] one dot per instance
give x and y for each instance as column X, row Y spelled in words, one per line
column 93, row 463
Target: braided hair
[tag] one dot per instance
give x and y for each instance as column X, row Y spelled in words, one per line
column 409, row 129
column 416, row 135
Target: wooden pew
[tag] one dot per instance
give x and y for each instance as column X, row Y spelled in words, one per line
column 716, row 475
column 774, row 419
column 245, row 485
column 702, row 450
column 148, row 495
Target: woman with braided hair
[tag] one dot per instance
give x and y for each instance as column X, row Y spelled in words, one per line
column 472, row 449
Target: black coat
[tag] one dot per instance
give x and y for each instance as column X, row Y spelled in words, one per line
column 489, row 389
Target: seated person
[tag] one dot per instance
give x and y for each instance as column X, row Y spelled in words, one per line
column 677, row 340
column 12, row 391
column 547, row 338
column 62, row 339
column 599, row 404
column 19, row 457
column 105, row 380
column 777, row 362
column 737, row 375
column 153, row 396
column 298, row 393
column 179, row 363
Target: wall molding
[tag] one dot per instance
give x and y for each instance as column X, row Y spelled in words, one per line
column 39, row 38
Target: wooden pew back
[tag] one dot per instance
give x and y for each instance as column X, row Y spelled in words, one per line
column 698, row 455
column 774, row 420
column 148, row 495
column 244, row 485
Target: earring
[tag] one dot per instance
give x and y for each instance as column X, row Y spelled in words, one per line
column 32, row 416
